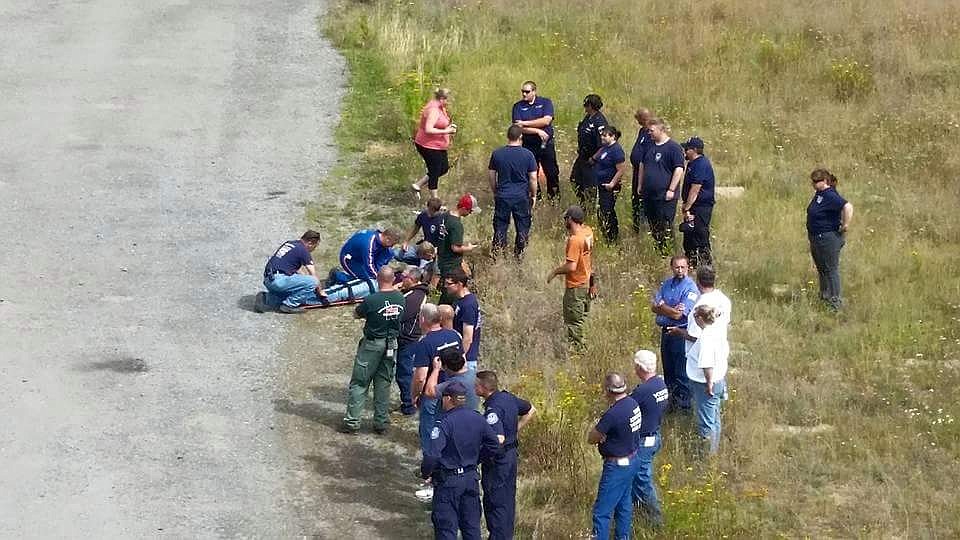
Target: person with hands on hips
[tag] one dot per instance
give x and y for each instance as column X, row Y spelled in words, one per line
column 609, row 163
column 672, row 305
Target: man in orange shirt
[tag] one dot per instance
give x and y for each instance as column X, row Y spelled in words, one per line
column 578, row 270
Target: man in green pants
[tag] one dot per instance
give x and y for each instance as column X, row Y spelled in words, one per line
column 376, row 354
column 577, row 269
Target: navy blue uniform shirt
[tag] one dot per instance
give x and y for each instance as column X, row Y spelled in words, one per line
column 640, row 147
column 432, row 343
column 513, row 165
column 288, row 259
column 457, row 440
column 503, row 411
column 588, row 134
column 467, row 311
column 620, row 424
column 605, row 162
column 430, row 226
column 652, row 397
column 824, row 210
column 700, row 171
column 658, row 165
column 540, row 107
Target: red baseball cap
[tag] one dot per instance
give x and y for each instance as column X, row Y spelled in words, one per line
column 469, row 202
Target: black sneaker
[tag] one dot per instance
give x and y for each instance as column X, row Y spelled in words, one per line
column 381, row 430
column 331, row 277
column 260, row 302
column 291, row 309
column 347, row 430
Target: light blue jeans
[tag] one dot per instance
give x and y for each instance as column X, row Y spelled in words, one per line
column 353, row 290
column 294, row 290
column 614, row 498
column 644, row 489
column 708, row 411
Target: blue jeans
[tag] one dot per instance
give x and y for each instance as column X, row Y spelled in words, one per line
column 352, row 290
column 614, row 497
column 644, row 488
column 405, row 376
column 428, row 418
column 825, row 249
column 674, row 356
column 708, row 411
column 503, row 208
column 472, row 365
column 293, row 290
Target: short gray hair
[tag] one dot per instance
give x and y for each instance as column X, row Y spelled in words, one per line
column 646, row 360
column 414, row 272
column 429, row 313
column 614, row 383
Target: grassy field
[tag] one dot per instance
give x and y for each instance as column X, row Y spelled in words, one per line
column 840, row 425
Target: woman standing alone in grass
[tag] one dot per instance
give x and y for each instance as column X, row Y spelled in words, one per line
column 828, row 216
column 433, row 139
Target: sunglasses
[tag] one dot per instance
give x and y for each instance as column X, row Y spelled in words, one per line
column 526, row 91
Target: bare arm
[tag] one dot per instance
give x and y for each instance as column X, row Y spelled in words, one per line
column 523, row 420
column 419, row 377
column 467, row 338
column 535, row 124
column 462, row 248
column 595, row 437
column 413, row 232
column 845, row 216
column 691, row 197
column 532, row 182
column 430, row 126
column 640, row 178
column 311, row 270
column 615, row 181
column 667, row 311
column 492, row 177
column 674, row 182
column 563, row 269
column 430, row 389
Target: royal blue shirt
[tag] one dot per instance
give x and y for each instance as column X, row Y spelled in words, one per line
column 824, row 211
column 513, row 165
column 430, row 226
column 467, row 311
column 588, row 134
column 366, row 254
column 503, row 411
column 672, row 292
column 620, row 424
column 457, row 440
column 659, row 162
column 540, row 107
column 605, row 162
column 469, row 379
column 652, row 397
column 640, row 147
column 700, row 171
column 288, row 259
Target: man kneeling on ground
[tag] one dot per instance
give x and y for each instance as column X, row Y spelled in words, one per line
column 290, row 276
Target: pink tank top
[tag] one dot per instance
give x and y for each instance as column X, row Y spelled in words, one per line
column 438, row 141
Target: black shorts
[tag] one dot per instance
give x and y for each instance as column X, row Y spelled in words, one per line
column 436, row 162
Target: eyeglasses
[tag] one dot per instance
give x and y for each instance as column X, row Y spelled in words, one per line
column 525, row 91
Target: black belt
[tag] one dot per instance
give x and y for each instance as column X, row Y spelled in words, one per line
column 459, row 470
column 651, row 434
column 510, row 446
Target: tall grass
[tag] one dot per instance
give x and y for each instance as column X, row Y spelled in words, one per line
column 840, row 425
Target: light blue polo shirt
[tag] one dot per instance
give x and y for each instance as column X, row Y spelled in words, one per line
column 674, row 291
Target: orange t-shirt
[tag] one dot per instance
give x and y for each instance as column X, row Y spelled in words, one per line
column 579, row 249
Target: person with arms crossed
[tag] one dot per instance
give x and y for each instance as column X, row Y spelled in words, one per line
column 672, row 305
column 652, row 397
column 577, row 269
column 616, row 438
column 376, row 354
column 513, row 180
column 534, row 114
column 507, row 414
column 588, row 141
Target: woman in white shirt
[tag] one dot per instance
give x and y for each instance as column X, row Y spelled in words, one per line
column 706, row 369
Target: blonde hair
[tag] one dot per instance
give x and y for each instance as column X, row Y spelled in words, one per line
column 441, row 93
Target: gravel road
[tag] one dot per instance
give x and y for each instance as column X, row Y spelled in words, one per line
column 151, row 155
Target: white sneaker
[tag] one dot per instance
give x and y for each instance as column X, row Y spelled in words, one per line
column 425, row 494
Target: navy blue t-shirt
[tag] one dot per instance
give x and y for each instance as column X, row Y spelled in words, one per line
column 430, row 226
column 588, row 134
column 605, row 162
column 652, row 398
column 658, row 165
column 457, row 440
column 288, row 259
column 432, row 343
column 824, row 210
column 503, row 411
column 700, row 171
column 540, row 107
column 620, row 424
column 513, row 165
column 640, row 147
column 467, row 311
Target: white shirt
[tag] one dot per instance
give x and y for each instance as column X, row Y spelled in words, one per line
column 718, row 301
column 711, row 350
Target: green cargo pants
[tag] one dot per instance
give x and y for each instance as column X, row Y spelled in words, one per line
column 375, row 362
column 576, row 305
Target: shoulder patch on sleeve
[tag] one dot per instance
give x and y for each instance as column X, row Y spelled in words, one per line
column 492, row 418
column 692, row 295
column 435, row 432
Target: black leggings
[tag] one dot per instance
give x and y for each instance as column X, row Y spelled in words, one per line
column 436, row 162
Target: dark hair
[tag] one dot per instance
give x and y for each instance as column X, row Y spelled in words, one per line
column 451, row 359
column 310, row 236
column 823, row 175
column 488, row 379
column 706, row 276
column 457, row 275
column 611, row 130
column 514, row 132
column 575, row 214
column 593, row 101
column 434, row 204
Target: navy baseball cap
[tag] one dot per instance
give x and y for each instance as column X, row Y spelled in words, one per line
column 694, row 142
column 454, row 389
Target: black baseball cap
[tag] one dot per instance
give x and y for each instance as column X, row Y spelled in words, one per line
column 694, row 142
